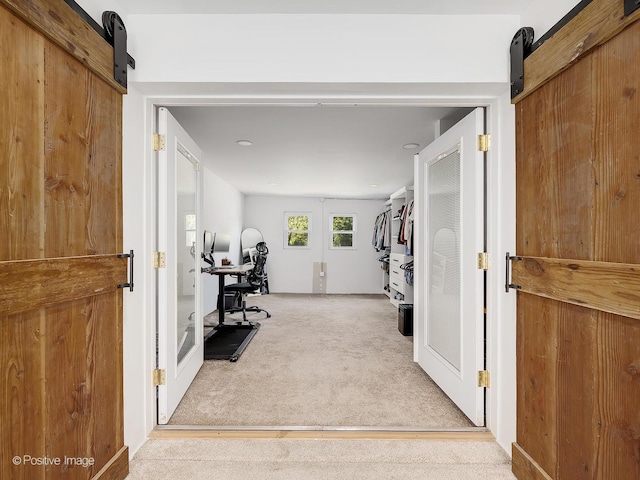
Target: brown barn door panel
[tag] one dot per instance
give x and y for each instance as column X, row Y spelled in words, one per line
column 61, row 403
column 577, row 268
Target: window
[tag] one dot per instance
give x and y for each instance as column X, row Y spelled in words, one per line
column 190, row 229
column 343, row 231
column 297, row 227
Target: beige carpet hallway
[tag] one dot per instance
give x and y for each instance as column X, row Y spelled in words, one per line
column 320, row 360
column 315, row 459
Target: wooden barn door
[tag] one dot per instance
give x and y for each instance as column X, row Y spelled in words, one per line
column 61, row 399
column 578, row 236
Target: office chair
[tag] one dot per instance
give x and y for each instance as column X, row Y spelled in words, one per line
column 255, row 282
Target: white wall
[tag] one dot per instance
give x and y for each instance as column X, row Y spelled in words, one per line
column 291, row 270
column 501, row 308
column 353, row 271
column 322, row 48
column 223, row 212
column 139, row 310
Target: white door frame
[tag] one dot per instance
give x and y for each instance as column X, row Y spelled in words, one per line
column 501, row 405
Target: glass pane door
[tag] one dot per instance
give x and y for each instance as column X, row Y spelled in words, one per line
column 186, row 249
column 443, row 294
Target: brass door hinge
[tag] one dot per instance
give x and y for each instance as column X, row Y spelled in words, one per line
column 159, row 259
column 484, row 142
column 483, row 261
column 159, row 142
column 159, row 377
column 483, row 379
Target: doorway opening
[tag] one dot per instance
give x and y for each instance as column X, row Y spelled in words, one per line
column 177, row 103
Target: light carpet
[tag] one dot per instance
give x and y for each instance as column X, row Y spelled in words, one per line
column 320, row 360
column 315, row 459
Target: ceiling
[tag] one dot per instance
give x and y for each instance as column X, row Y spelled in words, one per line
column 319, row 151
column 430, row 7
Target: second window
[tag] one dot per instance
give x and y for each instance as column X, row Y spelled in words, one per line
column 343, row 230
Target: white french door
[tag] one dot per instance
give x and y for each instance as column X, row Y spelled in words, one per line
column 179, row 236
column 449, row 287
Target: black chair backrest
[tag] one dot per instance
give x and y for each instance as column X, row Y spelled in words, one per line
column 261, row 247
column 257, row 275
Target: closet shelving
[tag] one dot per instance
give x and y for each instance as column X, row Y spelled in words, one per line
column 400, row 292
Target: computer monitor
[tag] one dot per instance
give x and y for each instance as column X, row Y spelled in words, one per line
column 207, row 248
column 207, row 244
column 221, row 243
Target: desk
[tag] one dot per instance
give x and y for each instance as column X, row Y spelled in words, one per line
column 236, row 336
column 222, row 272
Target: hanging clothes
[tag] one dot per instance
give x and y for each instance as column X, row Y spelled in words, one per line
column 408, row 272
column 405, row 231
column 380, row 239
column 408, row 229
column 403, row 218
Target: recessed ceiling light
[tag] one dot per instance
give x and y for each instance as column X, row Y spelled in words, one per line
column 374, row 185
column 410, row 146
column 273, row 184
column 244, row 143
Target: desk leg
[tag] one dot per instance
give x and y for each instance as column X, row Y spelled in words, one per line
column 221, row 299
